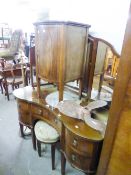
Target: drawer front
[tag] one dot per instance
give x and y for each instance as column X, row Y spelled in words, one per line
column 24, row 112
column 81, row 162
column 80, row 144
column 40, row 113
column 37, row 110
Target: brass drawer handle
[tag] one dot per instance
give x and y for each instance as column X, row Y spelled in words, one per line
column 73, row 157
column 39, row 111
column 74, row 142
column 56, row 120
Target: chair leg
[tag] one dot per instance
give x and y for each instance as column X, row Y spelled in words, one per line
column 1, row 87
column 53, row 155
column 21, row 130
column 33, row 138
column 63, row 164
column 6, row 90
column 13, row 87
column 39, row 147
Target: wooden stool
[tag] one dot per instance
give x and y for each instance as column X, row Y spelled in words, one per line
column 48, row 135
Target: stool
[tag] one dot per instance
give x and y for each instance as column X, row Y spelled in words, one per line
column 45, row 133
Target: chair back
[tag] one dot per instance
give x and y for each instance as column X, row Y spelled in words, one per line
column 15, row 41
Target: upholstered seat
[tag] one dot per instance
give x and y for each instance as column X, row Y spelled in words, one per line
column 45, row 133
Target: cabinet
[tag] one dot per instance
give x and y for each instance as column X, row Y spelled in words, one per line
column 60, row 52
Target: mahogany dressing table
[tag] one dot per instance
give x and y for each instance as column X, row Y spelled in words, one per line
column 80, row 144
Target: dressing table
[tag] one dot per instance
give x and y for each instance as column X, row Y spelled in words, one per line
column 80, row 144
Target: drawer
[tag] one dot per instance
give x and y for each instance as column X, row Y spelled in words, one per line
column 80, row 144
column 46, row 115
column 37, row 110
column 81, row 162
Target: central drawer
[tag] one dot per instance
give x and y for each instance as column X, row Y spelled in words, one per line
column 36, row 110
column 41, row 113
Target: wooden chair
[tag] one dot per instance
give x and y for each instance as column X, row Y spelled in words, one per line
column 13, row 77
column 46, row 134
column 12, row 51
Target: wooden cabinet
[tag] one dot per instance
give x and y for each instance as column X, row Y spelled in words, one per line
column 60, row 52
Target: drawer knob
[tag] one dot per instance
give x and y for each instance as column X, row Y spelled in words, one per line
column 40, row 111
column 56, row 120
column 74, row 142
column 73, row 157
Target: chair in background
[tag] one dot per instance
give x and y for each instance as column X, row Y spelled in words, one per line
column 46, row 134
column 15, row 43
column 32, row 64
column 13, row 77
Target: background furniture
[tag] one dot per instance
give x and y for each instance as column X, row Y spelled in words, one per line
column 32, row 64
column 60, row 52
column 12, row 76
column 15, row 43
column 5, row 34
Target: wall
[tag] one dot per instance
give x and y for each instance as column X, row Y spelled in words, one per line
column 107, row 17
